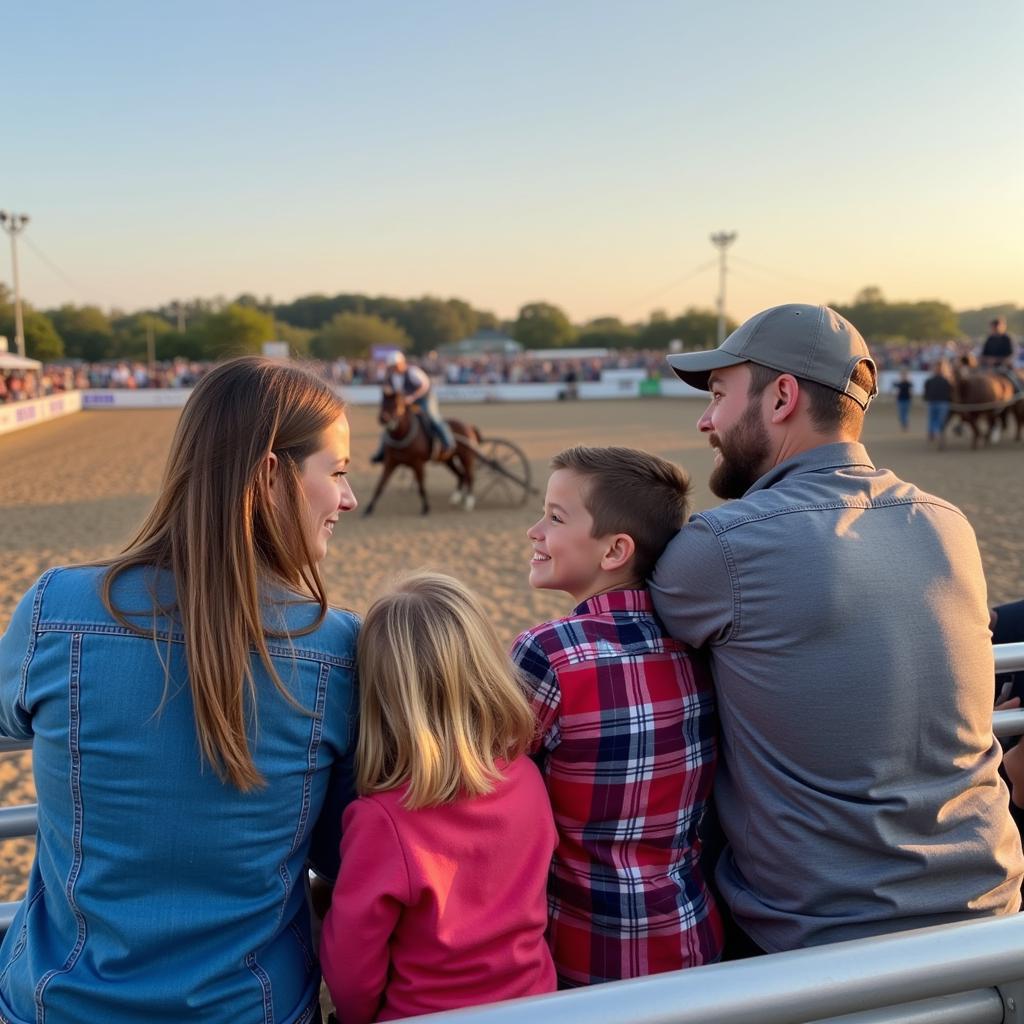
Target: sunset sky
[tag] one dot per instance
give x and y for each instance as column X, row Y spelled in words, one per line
column 506, row 151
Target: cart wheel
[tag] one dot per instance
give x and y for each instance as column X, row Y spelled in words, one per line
column 503, row 473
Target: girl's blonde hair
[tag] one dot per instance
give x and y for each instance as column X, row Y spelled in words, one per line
column 439, row 697
column 216, row 529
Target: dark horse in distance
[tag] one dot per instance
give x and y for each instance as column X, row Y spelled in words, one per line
column 409, row 441
column 984, row 399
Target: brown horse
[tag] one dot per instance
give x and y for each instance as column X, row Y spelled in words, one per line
column 408, row 441
column 981, row 398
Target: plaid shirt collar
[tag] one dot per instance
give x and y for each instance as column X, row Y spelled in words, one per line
column 637, row 599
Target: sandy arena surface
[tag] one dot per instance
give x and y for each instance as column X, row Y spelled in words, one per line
column 74, row 490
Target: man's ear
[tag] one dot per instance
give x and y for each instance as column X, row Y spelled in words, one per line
column 785, row 393
column 621, row 548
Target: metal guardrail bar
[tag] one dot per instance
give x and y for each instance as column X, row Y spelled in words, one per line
column 801, row 985
column 9, row 746
column 17, row 821
column 983, row 1006
column 7, row 912
column 1008, row 723
column 1009, row 657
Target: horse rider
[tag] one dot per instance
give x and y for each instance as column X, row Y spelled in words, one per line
column 999, row 349
column 999, row 353
column 410, row 380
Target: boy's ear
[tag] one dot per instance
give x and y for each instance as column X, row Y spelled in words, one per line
column 620, row 549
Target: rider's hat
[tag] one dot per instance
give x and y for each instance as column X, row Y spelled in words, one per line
column 395, row 357
column 812, row 342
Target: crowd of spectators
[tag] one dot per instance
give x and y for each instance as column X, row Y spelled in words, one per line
column 520, row 368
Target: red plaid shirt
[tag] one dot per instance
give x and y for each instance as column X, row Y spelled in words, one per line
column 628, row 744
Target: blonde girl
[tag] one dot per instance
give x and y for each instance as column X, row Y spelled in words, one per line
column 192, row 708
column 440, row 900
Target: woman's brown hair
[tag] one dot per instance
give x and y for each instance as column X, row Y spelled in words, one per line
column 215, row 528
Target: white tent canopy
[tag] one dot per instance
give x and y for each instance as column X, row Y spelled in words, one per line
column 9, row 361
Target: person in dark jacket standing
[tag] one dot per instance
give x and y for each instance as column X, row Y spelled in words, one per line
column 938, row 394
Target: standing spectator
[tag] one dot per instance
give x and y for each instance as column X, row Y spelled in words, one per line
column 938, row 393
column 904, row 389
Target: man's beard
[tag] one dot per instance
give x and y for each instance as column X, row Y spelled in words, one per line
column 744, row 455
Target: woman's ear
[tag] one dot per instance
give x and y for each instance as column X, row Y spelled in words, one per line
column 269, row 471
column 621, row 548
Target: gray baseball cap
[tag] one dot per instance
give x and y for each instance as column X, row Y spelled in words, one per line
column 812, row 342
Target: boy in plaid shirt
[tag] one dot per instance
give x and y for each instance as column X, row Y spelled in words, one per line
column 627, row 737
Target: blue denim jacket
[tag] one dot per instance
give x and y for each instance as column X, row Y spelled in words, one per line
column 160, row 893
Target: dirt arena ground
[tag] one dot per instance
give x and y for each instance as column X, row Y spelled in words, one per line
column 74, row 490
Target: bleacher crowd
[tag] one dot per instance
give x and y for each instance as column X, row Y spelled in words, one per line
column 522, row 368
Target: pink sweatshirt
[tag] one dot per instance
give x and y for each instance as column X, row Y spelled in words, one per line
column 441, row 907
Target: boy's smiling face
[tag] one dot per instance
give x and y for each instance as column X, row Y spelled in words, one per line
column 565, row 555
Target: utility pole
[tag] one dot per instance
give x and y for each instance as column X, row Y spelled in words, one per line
column 14, row 224
column 721, row 240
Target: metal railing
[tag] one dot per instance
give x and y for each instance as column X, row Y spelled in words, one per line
column 969, row 973
column 959, row 972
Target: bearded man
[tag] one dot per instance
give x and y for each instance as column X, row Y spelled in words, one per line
column 845, row 615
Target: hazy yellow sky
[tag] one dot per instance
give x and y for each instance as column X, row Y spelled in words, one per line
column 574, row 151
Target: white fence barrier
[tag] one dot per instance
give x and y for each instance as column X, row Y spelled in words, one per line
column 18, row 415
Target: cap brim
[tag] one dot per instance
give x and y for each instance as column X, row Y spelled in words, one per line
column 696, row 367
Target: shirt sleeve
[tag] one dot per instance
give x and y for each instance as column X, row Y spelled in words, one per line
column 542, row 689
column 692, row 587
column 418, row 376
column 15, row 648
column 372, row 888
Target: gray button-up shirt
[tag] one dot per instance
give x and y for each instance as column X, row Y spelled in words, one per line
column 846, row 618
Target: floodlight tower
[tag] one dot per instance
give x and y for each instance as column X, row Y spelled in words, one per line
column 721, row 240
column 14, row 224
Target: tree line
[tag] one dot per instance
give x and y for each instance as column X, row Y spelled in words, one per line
column 351, row 325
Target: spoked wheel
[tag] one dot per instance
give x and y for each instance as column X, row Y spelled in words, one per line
column 503, row 473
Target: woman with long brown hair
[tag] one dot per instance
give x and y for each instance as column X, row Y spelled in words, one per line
column 192, row 708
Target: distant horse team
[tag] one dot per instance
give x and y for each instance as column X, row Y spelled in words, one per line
column 984, row 399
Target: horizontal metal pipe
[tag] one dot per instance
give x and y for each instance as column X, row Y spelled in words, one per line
column 982, row 1006
column 17, row 821
column 1009, row 657
column 1008, row 723
column 8, row 746
column 801, row 985
column 7, row 912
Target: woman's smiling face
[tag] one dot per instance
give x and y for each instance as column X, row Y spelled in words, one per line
column 325, row 487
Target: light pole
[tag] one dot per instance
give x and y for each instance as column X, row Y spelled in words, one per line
column 14, row 224
column 721, row 240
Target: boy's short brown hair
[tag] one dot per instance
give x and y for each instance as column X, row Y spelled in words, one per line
column 632, row 492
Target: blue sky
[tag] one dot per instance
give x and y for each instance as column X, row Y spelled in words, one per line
column 506, row 152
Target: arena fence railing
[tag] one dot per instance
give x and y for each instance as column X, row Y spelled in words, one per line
column 971, row 973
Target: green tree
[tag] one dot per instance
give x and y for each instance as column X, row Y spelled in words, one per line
column 132, row 333
column 696, row 329
column 352, row 335
column 41, row 338
column 234, row 331
column 174, row 344
column 606, row 332
column 299, row 338
column 86, row 331
column 42, row 341
column 880, row 321
column 542, row 325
